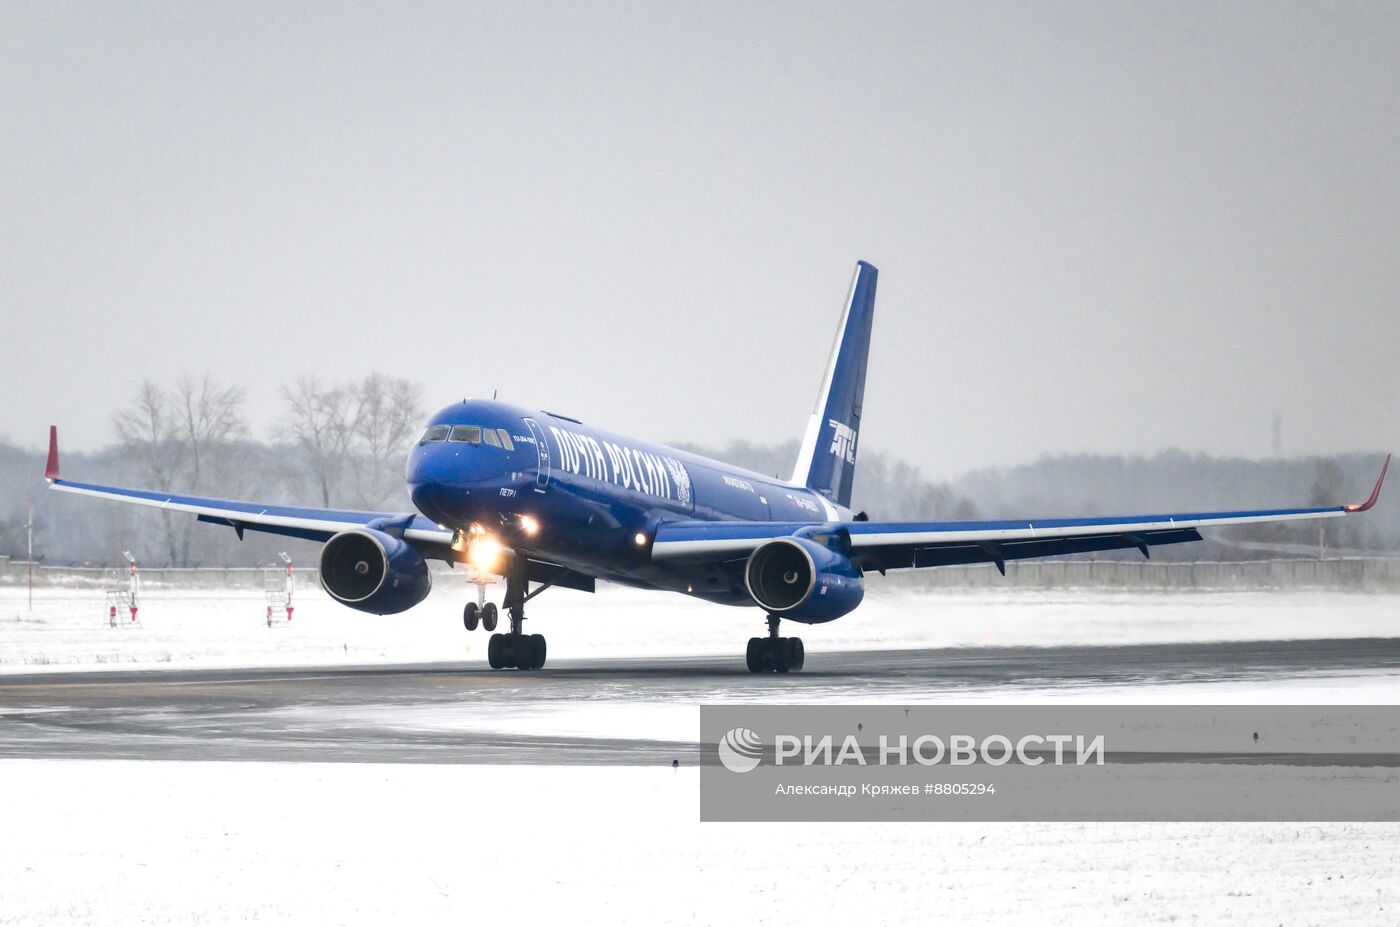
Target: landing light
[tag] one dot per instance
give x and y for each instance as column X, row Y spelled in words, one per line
column 529, row 525
column 641, row 539
column 485, row 553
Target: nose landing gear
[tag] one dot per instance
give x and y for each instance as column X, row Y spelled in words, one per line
column 774, row 654
column 484, row 615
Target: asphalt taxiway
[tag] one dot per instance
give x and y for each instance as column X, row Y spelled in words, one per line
column 373, row 713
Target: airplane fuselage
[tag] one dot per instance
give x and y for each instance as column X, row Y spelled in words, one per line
column 588, row 499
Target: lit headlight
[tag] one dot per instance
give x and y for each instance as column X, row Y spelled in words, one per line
column 485, row 552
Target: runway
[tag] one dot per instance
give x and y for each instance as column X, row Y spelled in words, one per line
column 446, row 713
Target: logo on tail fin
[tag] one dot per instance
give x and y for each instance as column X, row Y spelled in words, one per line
column 843, row 444
column 841, row 400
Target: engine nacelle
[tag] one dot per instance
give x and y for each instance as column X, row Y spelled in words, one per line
column 798, row 578
column 374, row 572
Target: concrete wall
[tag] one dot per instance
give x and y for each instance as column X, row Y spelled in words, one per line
column 1369, row 574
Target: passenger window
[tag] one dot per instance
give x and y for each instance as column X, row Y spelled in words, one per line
column 490, row 437
column 505, row 440
column 434, row 433
column 469, row 434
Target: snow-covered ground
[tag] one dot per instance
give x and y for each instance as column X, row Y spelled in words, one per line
column 119, row 842
column 111, row 842
column 226, row 627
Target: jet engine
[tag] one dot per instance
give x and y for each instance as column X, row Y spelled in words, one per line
column 374, row 572
column 803, row 580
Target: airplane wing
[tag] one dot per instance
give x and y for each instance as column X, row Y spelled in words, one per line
column 881, row 546
column 293, row 521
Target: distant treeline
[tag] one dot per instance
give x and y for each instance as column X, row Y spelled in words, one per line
column 345, row 445
column 335, row 445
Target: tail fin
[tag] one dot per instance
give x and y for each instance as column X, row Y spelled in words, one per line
column 826, row 462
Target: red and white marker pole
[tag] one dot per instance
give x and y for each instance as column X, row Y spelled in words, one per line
column 291, row 583
column 134, row 584
column 30, row 556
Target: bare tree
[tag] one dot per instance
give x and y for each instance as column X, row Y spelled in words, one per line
column 891, row 488
column 171, row 436
column 211, row 418
column 386, row 413
column 149, row 430
column 211, row 421
column 317, row 420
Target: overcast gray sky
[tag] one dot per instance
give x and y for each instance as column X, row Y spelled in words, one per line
column 1114, row 227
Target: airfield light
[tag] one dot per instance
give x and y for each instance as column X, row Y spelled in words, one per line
column 485, row 553
column 529, row 525
column 641, row 539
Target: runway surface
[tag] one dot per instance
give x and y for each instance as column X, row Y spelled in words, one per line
column 447, row 713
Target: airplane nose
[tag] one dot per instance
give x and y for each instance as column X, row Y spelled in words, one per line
column 416, row 470
column 428, row 499
column 441, row 480
column 427, row 480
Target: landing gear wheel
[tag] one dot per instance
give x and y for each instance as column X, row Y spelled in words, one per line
column 757, row 654
column 489, row 616
column 471, row 616
column 775, row 654
column 796, row 654
column 517, row 651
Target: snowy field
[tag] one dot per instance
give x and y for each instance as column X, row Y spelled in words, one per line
column 68, row 628
column 214, row 843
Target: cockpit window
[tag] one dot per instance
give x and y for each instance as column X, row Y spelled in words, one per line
column 470, row 434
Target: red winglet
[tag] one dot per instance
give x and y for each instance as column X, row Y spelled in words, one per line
column 51, row 469
column 1375, row 493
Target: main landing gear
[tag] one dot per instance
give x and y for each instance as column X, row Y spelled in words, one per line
column 774, row 654
column 515, row 649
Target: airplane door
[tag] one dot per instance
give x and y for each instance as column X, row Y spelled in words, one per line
column 542, row 450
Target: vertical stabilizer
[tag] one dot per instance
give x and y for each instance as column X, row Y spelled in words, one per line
column 826, row 461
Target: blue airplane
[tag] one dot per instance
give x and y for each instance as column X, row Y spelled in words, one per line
column 543, row 499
